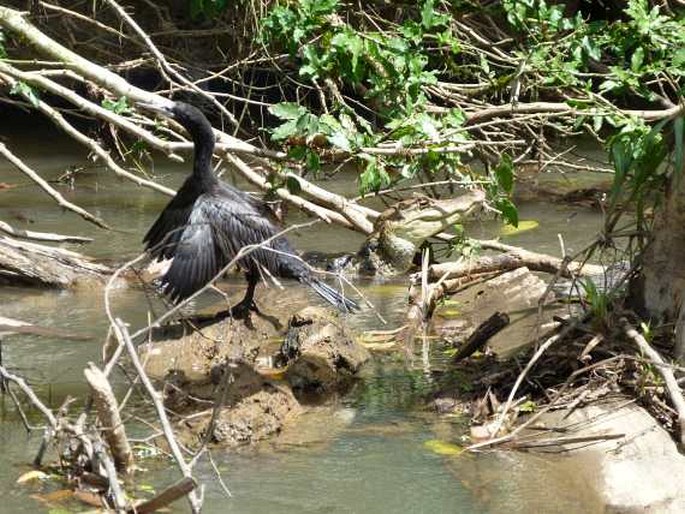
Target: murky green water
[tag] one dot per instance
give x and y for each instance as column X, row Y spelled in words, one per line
column 366, row 456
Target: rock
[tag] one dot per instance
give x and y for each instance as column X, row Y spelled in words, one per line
column 515, row 293
column 255, row 417
column 642, row 471
column 191, row 365
column 320, row 352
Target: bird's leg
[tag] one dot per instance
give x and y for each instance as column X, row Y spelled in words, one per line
column 247, row 304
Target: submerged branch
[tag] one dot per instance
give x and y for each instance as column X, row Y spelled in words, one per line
column 6, row 228
column 61, row 201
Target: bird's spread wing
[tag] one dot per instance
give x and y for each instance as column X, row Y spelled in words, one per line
column 163, row 237
column 218, row 227
column 196, row 257
column 242, row 223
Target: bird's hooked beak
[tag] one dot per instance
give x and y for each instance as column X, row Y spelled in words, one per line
column 160, row 106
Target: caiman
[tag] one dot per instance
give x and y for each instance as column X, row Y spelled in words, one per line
column 400, row 231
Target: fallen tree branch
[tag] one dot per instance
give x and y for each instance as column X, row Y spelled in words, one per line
column 41, row 236
column 481, row 335
column 169, row 495
column 674, row 391
column 21, row 383
column 513, row 259
column 15, row 22
column 56, row 117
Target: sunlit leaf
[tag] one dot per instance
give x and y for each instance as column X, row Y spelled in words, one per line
column 32, row 475
column 443, row 447
column 23, row 89
column 287, row 110
column 523, row 226
column 339, row 140
column 289, row 128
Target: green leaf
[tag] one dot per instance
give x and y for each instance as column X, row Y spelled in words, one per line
column 118, row 107
column 509, row 211
column 287, row 110
column 678, row 59
column 339, row 139
column 427, row 14
column 298, row 152
column 288, row 129
column 504, row 173
column 23, row 89
column 313, row 161
column 637, row 59
column 292, row 184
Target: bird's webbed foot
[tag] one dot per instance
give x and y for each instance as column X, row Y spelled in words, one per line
column 243, row 309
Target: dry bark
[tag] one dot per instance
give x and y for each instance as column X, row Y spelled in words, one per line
column 108, row 413
column 35, row 264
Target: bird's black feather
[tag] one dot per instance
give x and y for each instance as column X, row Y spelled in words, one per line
column 208, row 222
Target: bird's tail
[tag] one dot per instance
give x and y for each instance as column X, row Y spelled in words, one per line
column 332, row 296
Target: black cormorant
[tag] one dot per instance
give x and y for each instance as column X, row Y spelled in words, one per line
column 208, row 221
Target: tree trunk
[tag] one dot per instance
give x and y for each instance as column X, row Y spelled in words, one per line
column 663, row 270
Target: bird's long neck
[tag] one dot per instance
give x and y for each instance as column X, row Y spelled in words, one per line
column 202, row 163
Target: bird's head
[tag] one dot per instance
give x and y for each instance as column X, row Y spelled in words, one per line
column 189, row 117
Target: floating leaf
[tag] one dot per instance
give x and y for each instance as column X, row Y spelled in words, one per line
column 523, row 226
column 32, row 475
column 443, row 447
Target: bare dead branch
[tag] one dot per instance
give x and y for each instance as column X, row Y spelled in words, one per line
column 61, row 201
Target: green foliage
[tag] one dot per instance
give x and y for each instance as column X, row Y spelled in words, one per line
column 3, row 52
column 290, row 24
column 29, row 93
column 598, row 299
column 394, row 66
column 119, row 106
column 529, row 406
column 207, row 8
column 639, row 155
column 501, row 189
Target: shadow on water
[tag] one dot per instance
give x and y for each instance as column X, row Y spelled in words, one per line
column 365, row 454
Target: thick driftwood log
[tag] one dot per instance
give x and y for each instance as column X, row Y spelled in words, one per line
column 34, row 264
column 108, row 413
